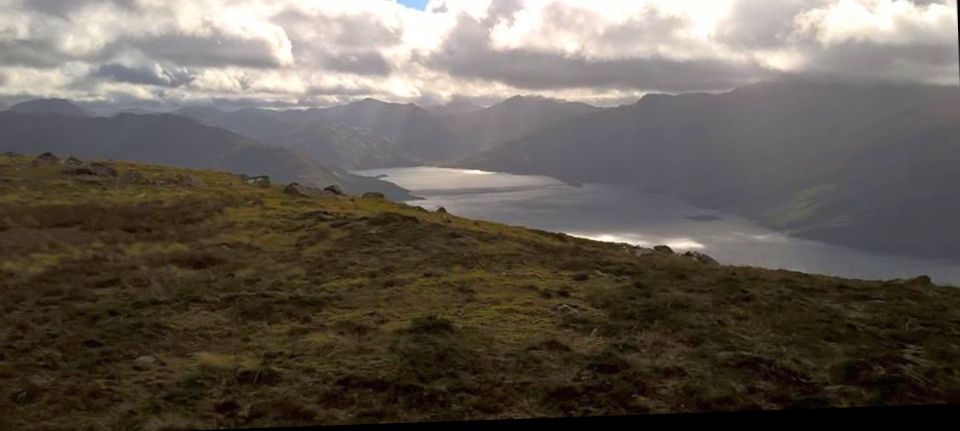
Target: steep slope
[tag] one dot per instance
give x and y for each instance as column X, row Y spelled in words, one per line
column 375, row 134
column 341, row 146
column 452, row 108
column 415, row 131
column 511, row 119
column 345, row 140
column 170, row 140
column 50, row 106
column 869, row 166
column 236, row 306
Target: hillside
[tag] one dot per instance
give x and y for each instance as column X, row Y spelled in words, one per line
column 834, row 162
column 172, row 140
column 146, row 302
column 341, row 146
column 413, row 129
column 373, row 134
column 511, row 119
column 50, row 106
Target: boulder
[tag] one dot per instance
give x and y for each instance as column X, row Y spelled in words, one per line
column 663, row 249
column 45, row 159
column 442, row 210
column 334, row 190
column 701, row 258
column 73, row 161
column 373, row 195
column 295, row 189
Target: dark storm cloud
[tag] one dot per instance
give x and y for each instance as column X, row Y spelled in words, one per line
column 348, row 44
column 363, row 63
column 190, row 49
column 871, row 62
column 544, row 71
column 208, row 51
column 763, row 24
column 39, row 53
column 141, row 75
column 467, row 53
column 63, row 8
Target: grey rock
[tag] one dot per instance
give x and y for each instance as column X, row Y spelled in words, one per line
column 701, row 258
column 295, row 189
column 45, row 159
column 663, row 249
column 334, row 190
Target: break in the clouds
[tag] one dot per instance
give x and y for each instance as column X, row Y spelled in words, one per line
column 303, row 52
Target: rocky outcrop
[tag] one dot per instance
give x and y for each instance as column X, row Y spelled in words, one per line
column 701, row 258
column 295, row 189
column 45, row 159
column 334, row 190
column 373, row 195
column 663, row 249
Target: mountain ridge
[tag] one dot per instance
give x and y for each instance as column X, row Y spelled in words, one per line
column 757, row 151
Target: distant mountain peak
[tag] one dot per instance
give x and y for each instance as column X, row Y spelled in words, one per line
column 530, row 98
column 61, row 107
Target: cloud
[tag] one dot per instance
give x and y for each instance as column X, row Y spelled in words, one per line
column 156, row 76
column 291, row 52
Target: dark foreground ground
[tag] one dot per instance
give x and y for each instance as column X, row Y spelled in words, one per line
column 152, row 302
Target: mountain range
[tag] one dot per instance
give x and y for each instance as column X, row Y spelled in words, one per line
column 835, row 162
column 172, row 140
column 872, row 166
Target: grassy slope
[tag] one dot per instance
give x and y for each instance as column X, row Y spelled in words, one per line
column 265, row 309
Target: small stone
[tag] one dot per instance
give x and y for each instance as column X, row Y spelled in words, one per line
column 144, row 362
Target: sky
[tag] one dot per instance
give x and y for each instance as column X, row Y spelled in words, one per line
column 416, row 4
column 297, row 53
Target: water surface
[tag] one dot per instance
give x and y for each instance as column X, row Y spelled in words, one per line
column 617, row 214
